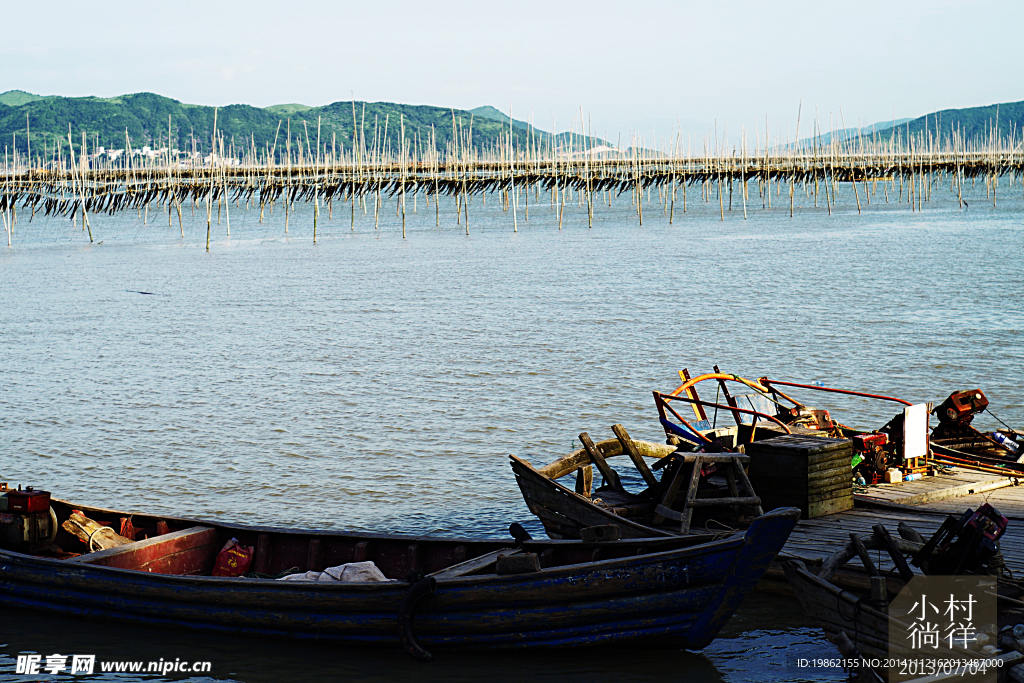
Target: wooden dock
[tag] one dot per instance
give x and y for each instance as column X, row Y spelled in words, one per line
column 922, row 504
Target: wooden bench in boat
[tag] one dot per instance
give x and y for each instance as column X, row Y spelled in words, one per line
column 475, row 565
column 624, row 504
column 187, row 552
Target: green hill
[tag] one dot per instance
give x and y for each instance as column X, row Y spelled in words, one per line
column 12, row 98
column 492, row 114
column 971, row 123
column 149, row 119
column 287, row 109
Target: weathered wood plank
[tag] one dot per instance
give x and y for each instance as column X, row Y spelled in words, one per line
column 673, row 489
column 314, row 556
column 261, row 560
column 630, row 448
column 713, row 502
column 968, row 489
column 842, row 494
column 585, row 481
column 718, row 458
column 186, row 552
column 609, row 448
column 538, row 489
column 611, row 477
column 691, row 496
column 474, row 565
column 667, row 513
column 863, row 554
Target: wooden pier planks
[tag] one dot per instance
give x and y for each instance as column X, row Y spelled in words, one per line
column 934, row 489
column 1009, row 501
column 813, row 540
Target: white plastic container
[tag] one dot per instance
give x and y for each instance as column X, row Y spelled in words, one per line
column 1006, row 441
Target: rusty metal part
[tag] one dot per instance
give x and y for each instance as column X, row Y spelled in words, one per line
column 956, row 457
column 960, row 407
column 771, row 383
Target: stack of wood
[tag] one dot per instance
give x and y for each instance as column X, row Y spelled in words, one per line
column 808, row 472
column 94, row 534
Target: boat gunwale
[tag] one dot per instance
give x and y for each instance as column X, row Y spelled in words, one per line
column 370, row 536
column 557, row 572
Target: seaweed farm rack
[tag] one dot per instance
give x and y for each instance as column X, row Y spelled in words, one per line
column 65, row 186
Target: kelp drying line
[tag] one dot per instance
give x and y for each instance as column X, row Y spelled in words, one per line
column 76, row 191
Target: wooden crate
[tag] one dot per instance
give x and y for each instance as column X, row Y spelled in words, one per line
column 797, row 470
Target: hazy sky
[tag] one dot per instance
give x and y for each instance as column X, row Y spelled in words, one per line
column 645, row 62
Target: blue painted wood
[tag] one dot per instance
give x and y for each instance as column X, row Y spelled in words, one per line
column 682, row 432
column 673, row 598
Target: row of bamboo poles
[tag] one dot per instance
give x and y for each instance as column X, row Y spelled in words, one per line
column 366, row 172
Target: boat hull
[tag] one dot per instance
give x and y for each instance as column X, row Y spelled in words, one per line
column 563, row 512
column 674, row 598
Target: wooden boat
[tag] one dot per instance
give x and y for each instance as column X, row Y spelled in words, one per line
column 703, row 463
column 703, row 466
column 860, row 625
column 564, row 512
column 654, row 592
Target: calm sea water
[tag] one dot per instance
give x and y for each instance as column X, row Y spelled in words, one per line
column 378, row 383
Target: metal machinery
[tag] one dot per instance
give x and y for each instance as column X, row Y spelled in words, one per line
column 956, row 413
column 956, row 436
column 906, row 442
column 876, row 453
column 27, row 522
column 965, row 544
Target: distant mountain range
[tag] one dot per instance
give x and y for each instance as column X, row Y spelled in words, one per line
column 851, row 133
column 149, row 120
column 971, row 123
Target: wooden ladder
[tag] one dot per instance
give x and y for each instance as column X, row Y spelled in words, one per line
column 733, row 472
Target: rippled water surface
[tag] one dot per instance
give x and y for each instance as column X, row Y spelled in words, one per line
column 373, row 382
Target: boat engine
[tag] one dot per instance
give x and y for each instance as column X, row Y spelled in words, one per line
column 27, row 522
column 876, row 453
column 963, row 545
column 811, row 418
column 956, row 413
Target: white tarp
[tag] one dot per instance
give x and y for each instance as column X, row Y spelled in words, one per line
column 353, row 571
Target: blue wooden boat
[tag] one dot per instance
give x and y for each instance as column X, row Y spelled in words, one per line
column 674, row 592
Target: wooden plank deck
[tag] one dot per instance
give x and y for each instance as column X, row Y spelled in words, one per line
column 1009, row 501
column 928, row 491
column 815, row 539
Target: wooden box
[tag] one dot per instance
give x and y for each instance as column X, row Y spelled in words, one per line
column 812, row 473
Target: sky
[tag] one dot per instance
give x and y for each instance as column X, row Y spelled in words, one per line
column 648, row 67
